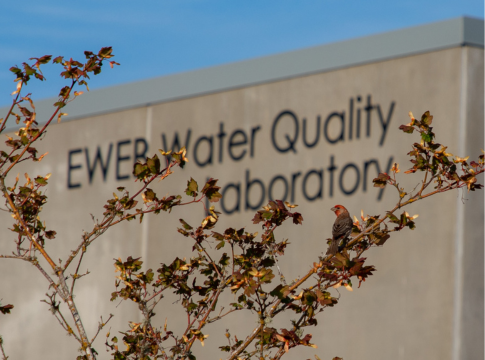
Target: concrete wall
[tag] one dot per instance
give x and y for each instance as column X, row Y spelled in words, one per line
column 425, row 300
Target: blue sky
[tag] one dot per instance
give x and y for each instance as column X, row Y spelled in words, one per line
column 159, row 37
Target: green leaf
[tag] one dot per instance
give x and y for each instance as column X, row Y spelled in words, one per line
column 43, row 59
column 140, row 170
column 150, row 195
column 58, row 60
column 426, row 118
column 421, row 162
column 211, row 191
column 267, row 215
column 192, row 188
column 16, row 70
column 64, row 91
column 411, row 224
column 41, row 181
column 280, row 291
column 6, row 309
column 309, row 298
column 427, row 137
column 51, row 234
column 267, row 276
column 185, row 225
column 224, row 261
column 28, row 70
column 381, row 180
column 393, row 218
column 407, row 129
column 381, row 238
column 154, row 164
column 105, row 52
column 191, row 307
column 59, row 104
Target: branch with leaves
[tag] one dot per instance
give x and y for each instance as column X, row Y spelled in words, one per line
column 25, row 201
column 248, row 268
column 231, row 260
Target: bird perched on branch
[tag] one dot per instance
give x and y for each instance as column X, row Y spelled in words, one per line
column 342, row 227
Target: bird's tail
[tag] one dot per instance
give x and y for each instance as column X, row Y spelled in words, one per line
column 333, row 248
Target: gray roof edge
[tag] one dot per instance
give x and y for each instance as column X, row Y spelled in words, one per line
column 473, row 31
column 398, row 43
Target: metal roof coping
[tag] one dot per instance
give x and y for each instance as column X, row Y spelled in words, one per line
column 462, row 31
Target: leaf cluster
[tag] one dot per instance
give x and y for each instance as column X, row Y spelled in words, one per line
column 432, row 158
column 230, row 260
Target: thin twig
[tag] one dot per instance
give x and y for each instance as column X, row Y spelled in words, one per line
column 101, row 326
column 66, row 326
column 4, row 357
column 76, row 276
column 221, row 316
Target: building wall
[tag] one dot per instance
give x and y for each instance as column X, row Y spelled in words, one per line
column 426, row 297
column 471, row 315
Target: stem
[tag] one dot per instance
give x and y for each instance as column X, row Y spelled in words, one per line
column 3, row 189
column 40, row 132
column 75, row 276
column 4, row 123
column 203, row 321
column 279, row 354
column 4, row 357
column 62, row 289
column 101, row 326
column 86, row 345
column 221, row 316
column 66, row 326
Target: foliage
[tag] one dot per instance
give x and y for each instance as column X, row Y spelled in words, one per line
column 242, row 263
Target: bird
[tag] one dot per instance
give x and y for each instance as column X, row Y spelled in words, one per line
column 342, row 227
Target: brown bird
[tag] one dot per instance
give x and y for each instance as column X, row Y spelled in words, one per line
column 342, row 227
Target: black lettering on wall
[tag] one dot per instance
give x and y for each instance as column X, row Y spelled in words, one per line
column 357, row 179
column 272, row 183
column 368, row 109
column 340, row 116
column 120, row 158
column 99, row 158
column 249, row 185
column 234, row 142
column 359, row 99
column 319, row 193
column 290, row 141
column 331, row 169
column 208, row 160
column 138, row 153
column 351, row 118
column 71, row 167
column 221, row 136
column 236, row 207
column 253, row 135
column 384, row 123
column 293, row 182
column 317, row 133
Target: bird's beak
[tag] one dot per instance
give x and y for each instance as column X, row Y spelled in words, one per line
column 334, row 209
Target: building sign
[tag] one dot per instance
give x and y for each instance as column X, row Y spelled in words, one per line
column 287, row 133
column 308, row 131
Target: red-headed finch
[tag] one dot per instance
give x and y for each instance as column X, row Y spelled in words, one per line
column 342, row 227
